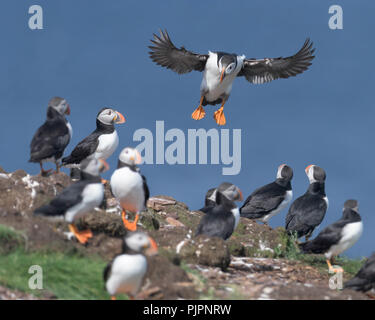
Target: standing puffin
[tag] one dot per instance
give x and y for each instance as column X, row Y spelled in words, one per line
column 364, row 280
column 129, row 186
column 270, row 199
column 308, row 211
column 227, row 189
column 220, row 69
column 78, row 199
column 101, row 143
column 221, row 220
column 337, row 237
column 51, row 139
column 124, row 274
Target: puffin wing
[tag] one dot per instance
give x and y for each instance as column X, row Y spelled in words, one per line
column 259, row 71
column 164, row 53
column 50, row 139
column 328, row 237
column 216, row 224
column 262, row 201
column 70, row 196
column 305, row 212
column 83, row 150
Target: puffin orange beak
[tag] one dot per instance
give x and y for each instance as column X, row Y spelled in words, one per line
column 240, row 196
column 222, row 75
column 67, row 111
column 153, row 248
column 119, row 118
column 137, row 159
column 307, row 168
column 104, row 165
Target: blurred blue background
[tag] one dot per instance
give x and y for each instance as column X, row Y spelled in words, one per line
column 94, row 54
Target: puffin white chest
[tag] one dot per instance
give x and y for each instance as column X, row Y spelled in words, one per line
column 92, row 196
column 283, row 204
column 127, row 187
column 107, row 145
column 211, row 86
column 126, row 274
column 350, row 235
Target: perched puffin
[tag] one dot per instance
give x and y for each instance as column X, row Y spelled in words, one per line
column 129, row 186
column 308, row 211
column 364, row 280
column 220, row 69
column 339, row 236
column 51, row 139
column 226, row 188
column 124, row 274
column 221, row 220
column 78, row 199
column 267, row 201
column 101, row 143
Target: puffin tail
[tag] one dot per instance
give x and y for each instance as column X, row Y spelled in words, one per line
column 355, row 283
column 47, row 211
column 306, row 247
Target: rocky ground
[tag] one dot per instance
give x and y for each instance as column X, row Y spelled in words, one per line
column 250, row 265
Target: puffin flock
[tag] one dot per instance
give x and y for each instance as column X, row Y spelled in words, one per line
column 125, row 273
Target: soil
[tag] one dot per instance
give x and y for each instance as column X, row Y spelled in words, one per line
column 243, row 267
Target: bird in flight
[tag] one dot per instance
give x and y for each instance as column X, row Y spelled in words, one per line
column 220, row 69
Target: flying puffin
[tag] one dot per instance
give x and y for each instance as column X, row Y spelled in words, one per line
column 129, row 186
column 308, row 211
column 267, row 201
column 51, row 139
column 226, row 188
column 221, row 220
column 101, row 143
column 364, row 280
column 124, row 274
column 220, row 69
column 78, row 199
column 339, row 236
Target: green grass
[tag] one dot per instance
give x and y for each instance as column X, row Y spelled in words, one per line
column 10, row 239
column 65, row 276
column 292, row 252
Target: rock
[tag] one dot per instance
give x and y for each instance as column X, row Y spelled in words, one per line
column 160, row 202
column 174, row 222
column 206, row 251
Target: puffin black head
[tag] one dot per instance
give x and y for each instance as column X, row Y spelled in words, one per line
column 210, row 197
column 284, row 172
column 60, row 105
column 227, row 63
column 139, row 242
column 230, row 191
column 315, row 174
column 351, row 204
column 351, row 211
column 109, row 116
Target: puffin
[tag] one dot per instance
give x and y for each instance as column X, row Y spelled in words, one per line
column 129, row 186
column 78, row 199
column 221, row 220
column 308, row 211
column 337, row 237
column 269, row 200
column 101, row 143
column 125, row 273
column 364, row 280
column 226, row 188
column 51, row 139
column 221, row 68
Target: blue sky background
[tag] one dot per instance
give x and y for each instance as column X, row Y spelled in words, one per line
column 94, row 54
